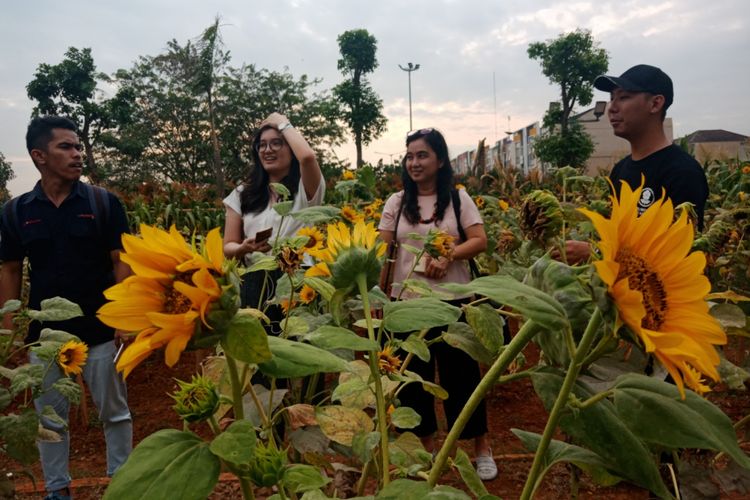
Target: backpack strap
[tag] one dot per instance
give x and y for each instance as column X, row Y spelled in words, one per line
column 99, row 202
column 456, row 202
column 10, row 214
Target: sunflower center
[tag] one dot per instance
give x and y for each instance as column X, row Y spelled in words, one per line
column 174, row 301
column 65, row 357
column 643, row 279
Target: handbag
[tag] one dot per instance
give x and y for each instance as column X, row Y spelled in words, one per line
column 391, row 254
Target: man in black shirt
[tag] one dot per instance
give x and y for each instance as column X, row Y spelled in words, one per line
column 71, row 234
column 639, row 99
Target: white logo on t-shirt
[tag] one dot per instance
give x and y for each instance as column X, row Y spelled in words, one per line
column 647, row 198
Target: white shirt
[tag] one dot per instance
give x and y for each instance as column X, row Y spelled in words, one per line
column 254, row 222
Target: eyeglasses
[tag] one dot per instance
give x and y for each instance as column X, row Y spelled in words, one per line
column 272, row 145
column 421, row 131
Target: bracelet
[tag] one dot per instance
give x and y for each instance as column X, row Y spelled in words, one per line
column 284, row 126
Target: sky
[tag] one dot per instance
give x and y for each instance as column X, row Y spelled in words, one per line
column 475, row 78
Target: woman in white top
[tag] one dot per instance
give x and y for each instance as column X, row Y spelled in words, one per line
column 427, row 202
column 281, row 155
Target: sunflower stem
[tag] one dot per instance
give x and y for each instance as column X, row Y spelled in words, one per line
column 239, row 411
column 522, row 338
column 561, row 402
column 375, row 371
column 582, row 405
column 247, row 489
column 214, row 425
column 417, row 258
column 259, row 406
column 284, row 333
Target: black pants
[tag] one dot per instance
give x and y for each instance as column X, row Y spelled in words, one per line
column 459, row 375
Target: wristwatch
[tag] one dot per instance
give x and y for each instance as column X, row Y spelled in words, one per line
column 284, row 126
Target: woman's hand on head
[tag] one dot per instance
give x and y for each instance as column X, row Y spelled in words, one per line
column 436, row 268
column 274, row 120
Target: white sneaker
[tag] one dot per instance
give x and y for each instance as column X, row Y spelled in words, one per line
column 486, row 467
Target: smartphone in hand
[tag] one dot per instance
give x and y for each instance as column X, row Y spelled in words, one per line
column 263, row 235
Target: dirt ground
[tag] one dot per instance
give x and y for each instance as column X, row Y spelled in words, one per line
column 512, row 405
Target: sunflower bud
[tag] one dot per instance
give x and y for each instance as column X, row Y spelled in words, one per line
column 196, row 400
column 714, row 240
column 267, row 467
column 289, row 259
column 541, row 216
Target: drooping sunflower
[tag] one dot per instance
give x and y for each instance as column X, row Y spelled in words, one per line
column 351, row 214
column 659, row 287
column 307, row 294
column 172, row 290
column 387, row 361
column 439, row 244
column 72, row 356
column 315, row 238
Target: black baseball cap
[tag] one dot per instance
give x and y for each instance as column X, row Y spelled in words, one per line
column 640, row 78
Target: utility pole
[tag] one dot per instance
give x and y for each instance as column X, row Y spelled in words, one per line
column 409, row 68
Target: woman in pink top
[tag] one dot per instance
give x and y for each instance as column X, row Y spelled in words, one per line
column 424, row 204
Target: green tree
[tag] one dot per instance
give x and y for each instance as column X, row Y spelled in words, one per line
column 70, row 89
column 363, row 109
column 572, row 61
column 6, row 174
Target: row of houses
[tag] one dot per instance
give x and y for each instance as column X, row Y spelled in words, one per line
column 517, row 148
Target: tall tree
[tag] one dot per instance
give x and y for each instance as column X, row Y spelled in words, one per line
column 363, row 109
column 6, row 174
column 572, row 61
column 69, row 88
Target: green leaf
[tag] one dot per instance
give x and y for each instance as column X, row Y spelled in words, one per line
column 418, row 314
column 50, row 414
column 69, row 388
column 654, row 411
column 283, row 208
column 263, row 262
column 10, row 306
column 293, row 359
column 404, row 489
column 25, row 377
column 324, row 289
column 295, row 326
column 354, row 392
column 167, row 464
column 600, row 429
column 532, row 303
column 334, row 337
column 19, row 432
column 5, row 398
column 405, row 418
column 731, row 374
column 487, row 324
column 461, row 336
column 56, row 309
column 281, row 190
column 312, row 216
column 236, row 444
column 407, row 450
column 300, row 478
column 559, row 451
column 416, row 346
column 58, row 336
column 246, row 339
column 469, row 474
column 364, row 443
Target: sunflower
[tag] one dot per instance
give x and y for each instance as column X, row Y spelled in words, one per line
column 349, row 252
column 387, row 362
column 72, row 356
column 286, row 307
column 459, row 187
column 314, row 238
column 503, row 205
column 171, row 292
column 348, row 175
column 659, row 287
column 307, row 294
column 289, row 259
column 349, row 213
column 479, row 201
column 318, row 270
column 439, row 244
column 746, row 169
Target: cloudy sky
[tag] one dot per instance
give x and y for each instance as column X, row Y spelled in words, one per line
column 459, row 45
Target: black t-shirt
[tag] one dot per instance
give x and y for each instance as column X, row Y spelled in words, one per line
column 671, row 169
column 69, row 255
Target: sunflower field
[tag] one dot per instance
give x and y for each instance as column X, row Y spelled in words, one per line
column 630, row 342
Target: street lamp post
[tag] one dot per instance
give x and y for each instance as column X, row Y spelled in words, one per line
column 409, row 68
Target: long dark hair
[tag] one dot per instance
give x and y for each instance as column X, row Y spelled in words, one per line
column 255, row 195
column 444, row 180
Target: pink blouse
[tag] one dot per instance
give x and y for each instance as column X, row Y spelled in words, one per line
column 458, row 271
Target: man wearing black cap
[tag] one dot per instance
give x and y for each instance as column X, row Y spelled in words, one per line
column 638, row 104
